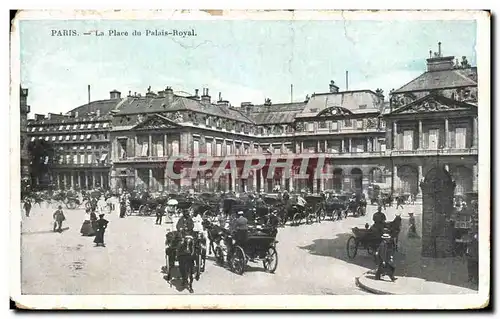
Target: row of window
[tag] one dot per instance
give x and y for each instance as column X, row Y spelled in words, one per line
column 432, row 139
column 61, row 138
column 68, row 127
column 88, row 158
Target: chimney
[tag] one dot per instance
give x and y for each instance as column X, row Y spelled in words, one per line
column 223, row 103
column 115, row 95
column 169, row 94
column 333, row 87
column 39, row 117
column 196, row 92
column 438, row 62
column 220, row 97
column 205, row 98
column 161, row 94
column 129, row 93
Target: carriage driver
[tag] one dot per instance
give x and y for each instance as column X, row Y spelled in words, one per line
column 378, row 221
column 185, row 225
column 301, row 202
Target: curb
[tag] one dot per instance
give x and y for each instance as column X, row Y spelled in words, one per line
column 370, row 289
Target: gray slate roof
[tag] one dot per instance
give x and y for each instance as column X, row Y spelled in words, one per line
column 432, row 80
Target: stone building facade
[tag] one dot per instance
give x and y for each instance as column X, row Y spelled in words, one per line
column 24, row 111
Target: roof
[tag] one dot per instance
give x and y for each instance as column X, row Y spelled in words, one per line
column 433, row 103
column 432, row 80
column 358, row 102
column 276, row 113
column 104, row 107
column 160, row 104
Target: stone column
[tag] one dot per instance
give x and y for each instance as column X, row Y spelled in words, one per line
column 474, row 178
column 350, row 144
column 136, row 147
column 86, row 181
column 420, row 135
column 301, row 147
column 446, row 134
column 102, row 180
column 447, row 167
column 322, row 183
column 326, row 146
column 318, row 149
column 233, row 179
column 419, row 179
column 165, row 145
column 254, row 179
column 151, row 184
column 150, row 145
column 343, row 146
column 263, row 184
column 395, row 183
column 72, row 184
column 292, row 176
column 394, row 135
column 474, row 133
column 93, row 179
column 369, row 145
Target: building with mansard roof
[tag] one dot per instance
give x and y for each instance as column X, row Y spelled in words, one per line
column 356, row 137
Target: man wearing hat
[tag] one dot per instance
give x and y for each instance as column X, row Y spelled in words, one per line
column 101, row 226
column 378, row 222
column 185, row 224
column 240, row 229
column 385, row 258
column 58, row 219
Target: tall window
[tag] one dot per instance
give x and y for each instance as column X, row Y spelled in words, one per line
column 310, row 127
column 433, row 139
column 82, row 159
column 347, row 123
column 196, row 148
column 408, row 140
column 123, row 148
column 75, row 159
column 218, row 151
column 159, row 149
column 229, row 149
column 175, row 147
column 359, row 124
column 208, row 145
column 335, row 126
column 144, row 151
column 460, row 137
column 89, row 158
column 323, row 124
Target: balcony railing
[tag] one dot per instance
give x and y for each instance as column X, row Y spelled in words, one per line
column 429, row 152
column 159, row 159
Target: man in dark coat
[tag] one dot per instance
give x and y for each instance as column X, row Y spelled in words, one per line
column 473, row 257
column 185, row 224
column 379, row 219
column 58, row 219
column 385, row 258
column 123, row 205
column 27, row 207
column 159, row 214
column 101, row 225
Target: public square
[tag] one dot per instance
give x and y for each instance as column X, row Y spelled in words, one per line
column 312, row 259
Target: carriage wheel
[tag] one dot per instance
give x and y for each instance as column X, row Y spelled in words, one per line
column 219, row 256
column 165, row 269
column 198, row 267
column 128, row 211
column 322, row 215
column 334, row 215
column 143, row 210
column 352, row 247
column 270, row 262
column 238, row 261
column 71, row 204
column 296, row 219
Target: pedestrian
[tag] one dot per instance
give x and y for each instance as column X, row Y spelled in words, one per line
column 385, row 258
column 159, row 214
column 399, row 202
column 123, row 206
column 101, row 225
column 222, row 219
column 27, row 207
column 58, row 219
column 412, row 231
column 473, row 257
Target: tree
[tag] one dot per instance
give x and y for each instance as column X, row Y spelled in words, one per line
column 42, row 158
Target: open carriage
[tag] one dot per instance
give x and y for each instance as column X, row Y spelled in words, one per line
column 315, row 207
column 260, row 246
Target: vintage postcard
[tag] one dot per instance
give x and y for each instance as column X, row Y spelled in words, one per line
column 211, row 159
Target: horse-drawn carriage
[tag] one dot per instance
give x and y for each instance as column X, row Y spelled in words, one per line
column 335, row 206
column 69, row 199
column 315, row 207
column 190, row 253
column 370, row 239
column 144, row 204
column 259, row 246
column 356, row 206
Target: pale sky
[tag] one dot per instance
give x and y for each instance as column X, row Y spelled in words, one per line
column 245, row 60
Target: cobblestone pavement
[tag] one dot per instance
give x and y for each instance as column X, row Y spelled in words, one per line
column 312, row 259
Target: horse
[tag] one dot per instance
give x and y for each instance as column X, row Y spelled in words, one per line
column 394, row 227
column 186, row 254
column 214, row 234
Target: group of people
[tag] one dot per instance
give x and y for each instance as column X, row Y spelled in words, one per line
column 94, row 226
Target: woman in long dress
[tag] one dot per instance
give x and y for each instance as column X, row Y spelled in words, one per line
column 102, row 224
column 89, row 225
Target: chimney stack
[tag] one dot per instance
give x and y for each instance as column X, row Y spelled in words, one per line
column 438, row 62
column 169, row 94
column 161, row 93
column 196, row 92
column 115, row 95
column 205, row 98
column 39, row 117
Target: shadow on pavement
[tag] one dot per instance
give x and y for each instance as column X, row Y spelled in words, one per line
column 44, row 231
